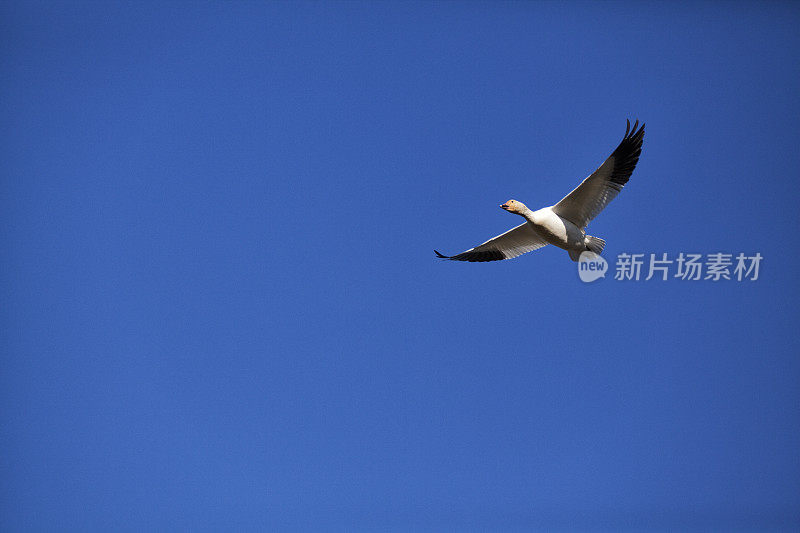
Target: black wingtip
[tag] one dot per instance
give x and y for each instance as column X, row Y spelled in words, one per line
column 630, row 132
column 441, row 256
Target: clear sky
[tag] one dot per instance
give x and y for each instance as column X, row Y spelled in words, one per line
column 221, row 308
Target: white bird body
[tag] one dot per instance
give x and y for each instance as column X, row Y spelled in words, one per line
column 564, row 224
column 556, row 230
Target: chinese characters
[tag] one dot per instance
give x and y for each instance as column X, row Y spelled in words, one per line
column 692, row 267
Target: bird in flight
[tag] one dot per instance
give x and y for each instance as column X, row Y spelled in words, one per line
column 564, row 224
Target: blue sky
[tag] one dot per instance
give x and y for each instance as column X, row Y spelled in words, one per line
column 221, row 308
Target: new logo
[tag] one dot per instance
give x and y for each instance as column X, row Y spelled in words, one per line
column 591, row 267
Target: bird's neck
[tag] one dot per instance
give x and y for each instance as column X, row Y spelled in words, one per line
column 527, row 214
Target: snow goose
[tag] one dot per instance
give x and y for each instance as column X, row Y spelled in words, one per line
column 564, row 224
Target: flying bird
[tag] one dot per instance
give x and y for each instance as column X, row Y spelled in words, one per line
column 564, row 224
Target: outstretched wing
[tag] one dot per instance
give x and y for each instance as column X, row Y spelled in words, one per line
column 510, row 244
column 595, row 192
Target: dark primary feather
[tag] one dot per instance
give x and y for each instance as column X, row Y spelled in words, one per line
column 475, row 256
column 627, row 154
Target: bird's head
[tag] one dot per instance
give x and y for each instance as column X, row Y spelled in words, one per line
column 514, row 206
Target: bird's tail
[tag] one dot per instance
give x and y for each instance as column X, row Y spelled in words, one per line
column 595, row 244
